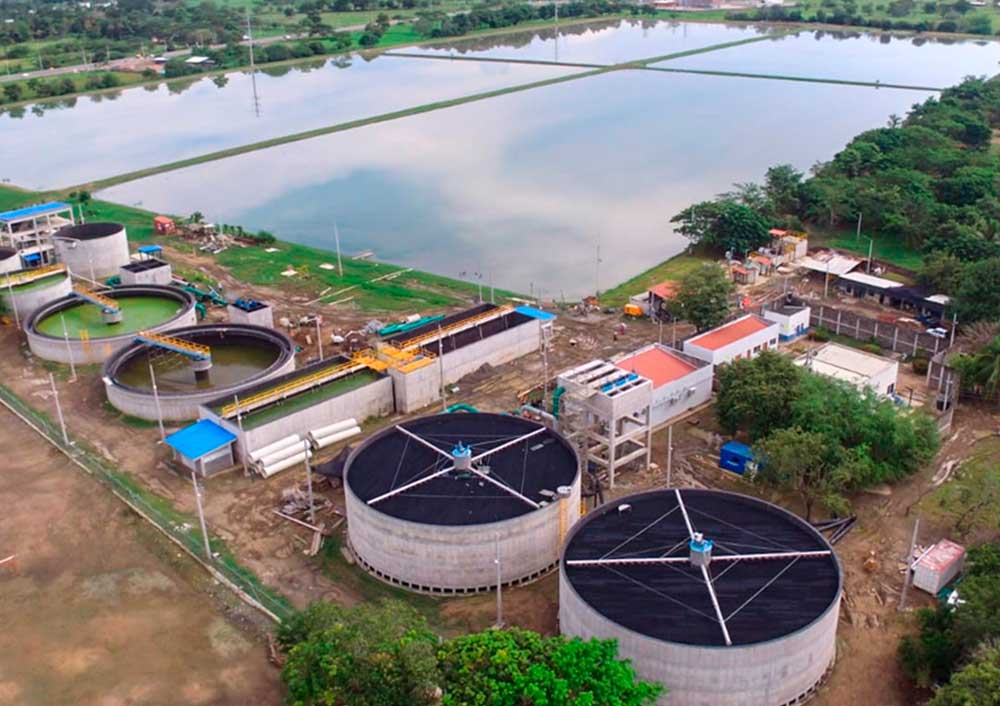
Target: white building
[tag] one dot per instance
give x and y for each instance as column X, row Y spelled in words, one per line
column 743, row 338
column 680, row 382
column 854, row 367
column 793, row 321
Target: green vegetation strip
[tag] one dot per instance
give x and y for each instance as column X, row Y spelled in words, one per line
column 180, row 528
column 802, row 79
column 311, row 397
column 394, row 115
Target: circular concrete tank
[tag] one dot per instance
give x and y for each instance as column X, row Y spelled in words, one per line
column 242, row 355
column 28, row 297
column 94, row 250
column 431, row 502
column 90, row 338
column 9, row 260
column 635, row 570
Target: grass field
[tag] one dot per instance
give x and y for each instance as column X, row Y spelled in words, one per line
column 886, row 249
column 410, row 290
column 674, row 268
column 919, row 11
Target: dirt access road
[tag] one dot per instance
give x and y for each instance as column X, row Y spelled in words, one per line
column 102, row 610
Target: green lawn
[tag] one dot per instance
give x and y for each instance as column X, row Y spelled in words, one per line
column 886, row 249
column 307, row 399
column 674, row 268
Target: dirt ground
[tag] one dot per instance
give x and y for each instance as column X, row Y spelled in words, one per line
column 100, row 609
column 239, row 509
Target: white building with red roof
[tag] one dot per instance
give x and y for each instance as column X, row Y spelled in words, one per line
column 680, row 382
column 744, row 337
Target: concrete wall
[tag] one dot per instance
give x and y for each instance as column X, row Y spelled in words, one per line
column 104, row 255
column 459, row 559
column 770, row 673
column 179, row 407
column 665, row 408
column 884, row 383
column 789, row 326
column 422, row 387
column 97, row 350
column 738, row 349
column 157, row 275
column 260, row 317
column 9, row 263
column 372, row 400
column 29, row 300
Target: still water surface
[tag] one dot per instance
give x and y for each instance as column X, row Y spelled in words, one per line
column 522, row 188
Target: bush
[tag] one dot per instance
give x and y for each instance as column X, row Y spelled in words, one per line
column 819, row 334
column 920, row 365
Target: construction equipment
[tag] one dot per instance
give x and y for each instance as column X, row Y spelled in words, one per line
column 632, row 310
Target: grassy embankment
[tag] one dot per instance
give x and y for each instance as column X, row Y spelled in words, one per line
column 889, row 250
column 407, row 292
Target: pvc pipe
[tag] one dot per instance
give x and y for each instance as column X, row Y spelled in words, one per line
column 333, row 428
column 281, row 454
column 272, row 447
column 324, row 441
column 268, row 471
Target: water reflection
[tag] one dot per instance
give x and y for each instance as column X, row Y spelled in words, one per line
column 110, row 134
column 525, row 185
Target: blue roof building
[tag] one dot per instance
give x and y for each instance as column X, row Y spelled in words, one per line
column 204, row 446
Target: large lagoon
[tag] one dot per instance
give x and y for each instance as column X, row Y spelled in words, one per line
column 522, row 188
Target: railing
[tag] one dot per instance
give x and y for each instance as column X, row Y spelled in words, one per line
column 289, row 388
column 106, row 303
column 455, row 327
column 15, row 279
column 177, row 345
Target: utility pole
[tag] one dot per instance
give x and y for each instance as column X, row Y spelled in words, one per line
column 336, row 238
column 909, row 561
column 254, row 99
column 243, row 439
column 201, row 516
column 319, row 335
column 826, row 280
column 69, row 349
column 309, row 483
column 13, row 302
column 871, row 245
column 59, row 413
column 857, row 234
column 670, row 454
column 156, row 400
column 444, row 405
column 597, row 271
column 499, row 623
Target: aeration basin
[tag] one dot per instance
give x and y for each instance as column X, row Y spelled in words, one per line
column 71, row 327
column 240, row 356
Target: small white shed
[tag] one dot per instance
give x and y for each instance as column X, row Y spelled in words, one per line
column 938, row 566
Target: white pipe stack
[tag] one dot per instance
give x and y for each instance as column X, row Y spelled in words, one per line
column 268, row 471
column 332, row 433
column 275, row 446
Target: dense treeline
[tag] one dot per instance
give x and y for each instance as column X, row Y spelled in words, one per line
column 931, row 182
column 954, row 16
column 957, row 647
column 817, row 437
column 439, row 24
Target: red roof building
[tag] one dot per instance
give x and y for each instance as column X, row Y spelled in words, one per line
column 744, row 337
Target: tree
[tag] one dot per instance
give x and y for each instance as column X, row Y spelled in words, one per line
column 13, row 92
column 703, row 297
column 976, row 684
column 978, row 296
column 369, row 655
column 756, row 395
column 725, row 225
column 980, row 371
column 782, row 184
column 801, row 462
column 941, row 273
column 519, row 668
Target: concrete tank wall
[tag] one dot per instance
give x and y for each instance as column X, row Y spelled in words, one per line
column 184, row 406
column 459, row 559
column 97, row 350
column 770, row 673
column 101, row 248
column 372, row 400
column 10, row 260
column 29, row 300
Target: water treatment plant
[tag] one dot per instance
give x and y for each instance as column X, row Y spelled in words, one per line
column 240, row 356
column 92, row 250
column 459, row 503
column 89, row 325
column 729, row 600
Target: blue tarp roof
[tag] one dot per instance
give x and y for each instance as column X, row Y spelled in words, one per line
column 535, row 313
column 150, row 249
column 200, row 439
column 40, row 209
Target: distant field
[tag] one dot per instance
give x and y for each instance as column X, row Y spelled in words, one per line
column 674, row 268
column 919, row 11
